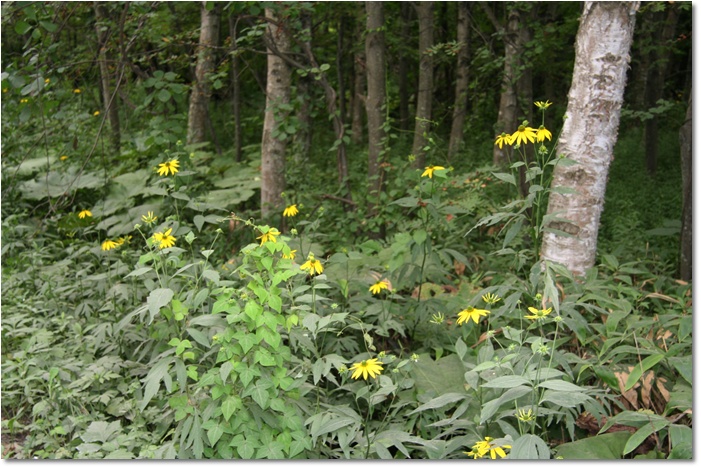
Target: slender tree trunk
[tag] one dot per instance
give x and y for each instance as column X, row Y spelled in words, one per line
column 303, row 137
column 110, row 105
column 199, row 98
column 236, row 87
column 403, row 80
column 685, row 258
column 658, row 59
column 589, row 133
column 375, row 53
column 524, row 90
column 462, row 81
column 277, row 99
column 508, row 102
column 424, row 95
column 358, row 83
column 340, row 51
column 339, row 128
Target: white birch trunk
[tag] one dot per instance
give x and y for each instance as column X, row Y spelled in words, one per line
column 277, row 93
column 590, row 131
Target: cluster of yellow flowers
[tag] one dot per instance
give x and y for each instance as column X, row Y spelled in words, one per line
column 474, row 314
column 481, row 448
column 525, row 134
column 110, row 244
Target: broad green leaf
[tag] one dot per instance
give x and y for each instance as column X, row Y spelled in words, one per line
column 445, row 375
column 643, row 433
column 440, row 401
column 491, row 407
column 568, row 399
column 684, row 366
column 641, row 368
column 529, row 447
column 561, row 385
column 333, row 425
column 601, row 447
column 507, row 381
column 158, row 298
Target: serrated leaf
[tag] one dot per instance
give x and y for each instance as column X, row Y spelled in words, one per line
column 439, row 402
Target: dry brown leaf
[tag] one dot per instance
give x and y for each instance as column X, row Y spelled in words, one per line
column 647, row 389
column 661, row 387
column 663, row 297
column 459, row 267
column 631, row 395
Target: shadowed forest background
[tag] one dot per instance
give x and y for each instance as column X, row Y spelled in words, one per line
column 326, row 230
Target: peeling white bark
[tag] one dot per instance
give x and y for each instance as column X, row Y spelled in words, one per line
column 590, row 131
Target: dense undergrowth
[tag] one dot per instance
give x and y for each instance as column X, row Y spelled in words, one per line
column 241, row 339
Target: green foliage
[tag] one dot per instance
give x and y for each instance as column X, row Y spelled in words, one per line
column 167, row 323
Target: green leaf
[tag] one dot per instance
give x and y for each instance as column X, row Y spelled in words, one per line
column 214, row 434
column 440, row 401
column 566, row 399
column 491, row 407
column 22, row 27
column 333, row 425
column 529, row 447
column 643, row 433
column 163, row 95
column 100, row 431
column 684, row 365
column 508, row 178
column 600, row 447
column 275, row 302
column 198, row 336
column 260, row 395
column 507, row 381
column 640, row 368
column 561, row 385
column 156, row 299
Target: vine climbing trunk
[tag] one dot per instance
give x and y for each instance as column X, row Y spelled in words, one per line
column 589, row 133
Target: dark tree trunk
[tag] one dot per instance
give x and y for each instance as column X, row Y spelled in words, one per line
column 358, row 82
column 463, row 79
column 109, row 104
column 424, row 95
column 236, row 88
column 303, row 137
column 508, row 103
column 685, row 258
column 198, row 114
column 403, row 80
column 375, row 53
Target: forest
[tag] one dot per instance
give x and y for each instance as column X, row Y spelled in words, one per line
column 346, row 230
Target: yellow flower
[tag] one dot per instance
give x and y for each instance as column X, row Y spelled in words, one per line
column 481, row 448
column 269, row 236
column 168, row 166
column 312, row 265
column 525, row 416
column 364, row 368
column 164, row 239
column 542, row 105
column 503, row 138
column 109, row 245
column 149, row 218
column 47, row 81
column 96, row 113
column 63, row 158
column 290, row 211
column 471, row 313
column 23, row 101
column 490, row 298
column 538, row 314
column 85, row 213
column 4, row 90
column 76, row 91
column 542, row 134
column 290, row 256
column 379, row 286
column 430, row 170
column 124, row 239
column 523, row 134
